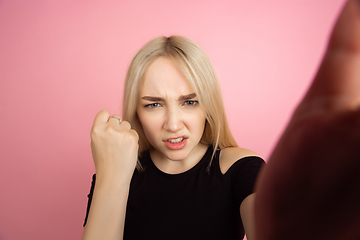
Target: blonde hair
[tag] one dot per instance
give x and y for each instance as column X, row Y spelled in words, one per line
column 198, row 69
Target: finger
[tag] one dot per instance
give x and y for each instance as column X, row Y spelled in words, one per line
column 115, row 119
column 114, row 122
column 337, row 83
column 101, row 117
column 135, row 134
column 125, row 125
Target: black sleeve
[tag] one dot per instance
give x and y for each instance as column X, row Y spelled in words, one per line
column 90, row 195
column 243, row 174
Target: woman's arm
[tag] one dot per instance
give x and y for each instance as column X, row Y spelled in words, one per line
column 228, row 157
column 310, row 186
column 107, row 212
column 247, row 216
column 115, row 150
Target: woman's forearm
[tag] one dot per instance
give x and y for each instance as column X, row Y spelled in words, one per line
column 107, row 212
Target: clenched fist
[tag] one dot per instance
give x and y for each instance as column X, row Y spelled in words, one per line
column 114, row 147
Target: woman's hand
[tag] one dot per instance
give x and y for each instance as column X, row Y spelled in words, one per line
column 114, row 146
column 310, row 188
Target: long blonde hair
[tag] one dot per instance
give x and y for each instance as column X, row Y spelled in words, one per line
column 198, row 69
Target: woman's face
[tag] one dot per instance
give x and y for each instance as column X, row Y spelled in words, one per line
column 169, row 112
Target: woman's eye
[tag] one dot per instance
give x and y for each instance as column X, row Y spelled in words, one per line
column 152, row 105
column 190, row 103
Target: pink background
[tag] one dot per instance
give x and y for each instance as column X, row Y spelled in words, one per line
column 63, row 61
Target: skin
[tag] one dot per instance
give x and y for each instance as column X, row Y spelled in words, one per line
column 310, row 187
column 107, row 213
column 228, row 157
column 168, row 108
column 311, row 184
column 164, row 113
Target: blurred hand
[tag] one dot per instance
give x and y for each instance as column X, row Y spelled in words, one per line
column 310, row 188
column 114, row 147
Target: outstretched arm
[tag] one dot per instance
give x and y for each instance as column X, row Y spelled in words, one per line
column 310, row 188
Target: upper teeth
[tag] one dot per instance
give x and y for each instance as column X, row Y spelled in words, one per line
column 176, row 140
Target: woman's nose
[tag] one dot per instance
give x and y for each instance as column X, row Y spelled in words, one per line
column 173, row 120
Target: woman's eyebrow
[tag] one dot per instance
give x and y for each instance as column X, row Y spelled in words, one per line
column 160, row 99
column 187, row 97
column 153, row 99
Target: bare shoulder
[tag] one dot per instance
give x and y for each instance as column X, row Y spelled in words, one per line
column 228, row 156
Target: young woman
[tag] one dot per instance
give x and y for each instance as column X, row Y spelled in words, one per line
column 186, row 187
column 191, row 180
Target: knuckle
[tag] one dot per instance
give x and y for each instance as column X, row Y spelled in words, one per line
column 104, row 111
column 101, row 113
column 130, row 137
column 110, row 131
column 94, row 132
column 135, row 135
column 126, row 124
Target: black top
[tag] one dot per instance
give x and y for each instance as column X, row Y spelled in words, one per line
column 196, row 204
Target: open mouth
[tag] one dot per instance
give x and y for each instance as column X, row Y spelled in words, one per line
column 176, row 140
column 176, row 143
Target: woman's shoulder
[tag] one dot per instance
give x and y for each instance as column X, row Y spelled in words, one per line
column 228, row 156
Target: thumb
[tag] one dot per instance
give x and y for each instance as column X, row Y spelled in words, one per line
column 337, row 83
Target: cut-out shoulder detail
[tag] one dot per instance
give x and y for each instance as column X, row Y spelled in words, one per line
column 228, row 156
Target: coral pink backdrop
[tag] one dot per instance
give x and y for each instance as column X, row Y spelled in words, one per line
column 63, row 61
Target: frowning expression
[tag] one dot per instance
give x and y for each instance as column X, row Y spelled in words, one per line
column 169, row 111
